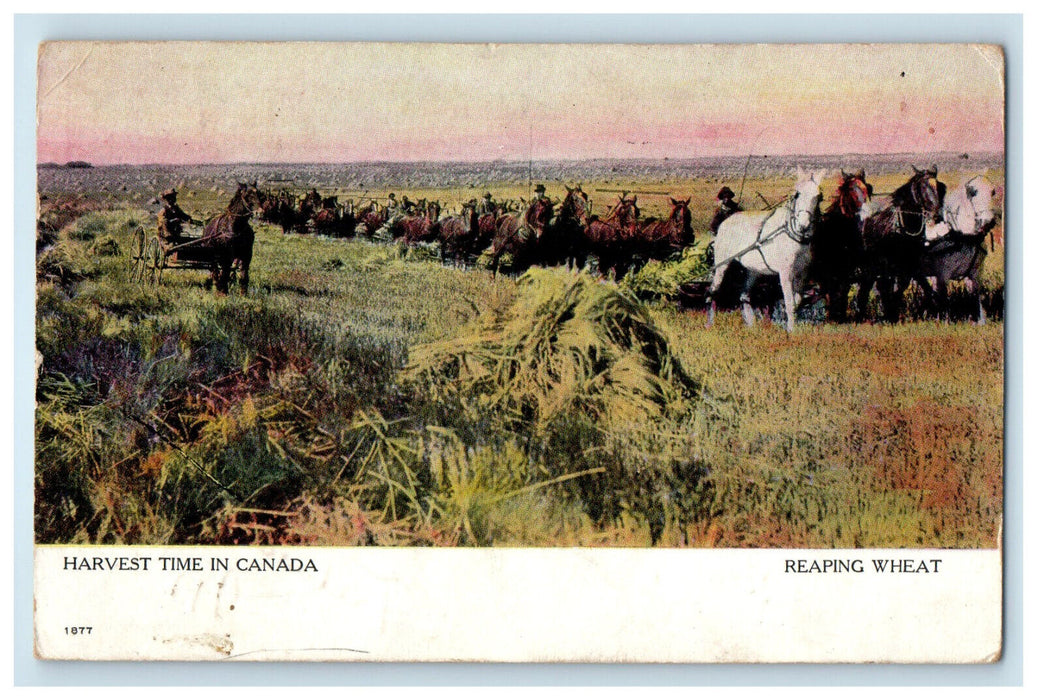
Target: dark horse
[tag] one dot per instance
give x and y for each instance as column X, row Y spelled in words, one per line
column 564, row 241
column 334, row 219
column 893, row 242
column 968, row 217
column 228, row 240
column 837, row 244
column 610, row 240
column 519, row 235
column 658, row 239
column 279, row 209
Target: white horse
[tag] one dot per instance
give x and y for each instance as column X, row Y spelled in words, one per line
column 955, row 247
column 770, row 243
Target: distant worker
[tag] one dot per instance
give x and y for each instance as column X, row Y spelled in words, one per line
column 727, row 206
column 487, row 205
column 540, row 194
column 171, row 218
column 393, row 204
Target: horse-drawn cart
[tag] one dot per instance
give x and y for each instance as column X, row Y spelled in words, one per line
column 151, row 255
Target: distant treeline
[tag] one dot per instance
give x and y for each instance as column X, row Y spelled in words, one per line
column 70, row 164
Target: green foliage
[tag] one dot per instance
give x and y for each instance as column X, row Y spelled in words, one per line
column 89, row 227
column 661, row 280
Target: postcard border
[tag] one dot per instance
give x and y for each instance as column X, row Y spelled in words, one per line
column 29, row 30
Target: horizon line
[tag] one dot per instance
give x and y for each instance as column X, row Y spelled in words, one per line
column 660, row 159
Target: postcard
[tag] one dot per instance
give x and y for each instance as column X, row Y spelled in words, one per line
column 519, row 352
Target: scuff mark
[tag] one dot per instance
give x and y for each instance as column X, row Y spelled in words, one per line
column 221, row 644
column 290, row 650
column 994, row 56
column 69, row 72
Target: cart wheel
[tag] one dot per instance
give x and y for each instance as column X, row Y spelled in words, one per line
column 137, row 252
column 152, row 261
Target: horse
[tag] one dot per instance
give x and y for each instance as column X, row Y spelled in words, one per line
column 279, row 209
column 228, row 240
column 837, row 245
column 519, row 235
column 660, row 239
column 610, row 240
column 893, row 241
column 770, row 243
column 957, row 253
column 333, row 219
column 370, row 219
column 457, row 234
column 563, row 242
column 419, row 228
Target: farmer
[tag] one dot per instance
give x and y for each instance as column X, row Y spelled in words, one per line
column 727, row 206
column 539, row 190
column 487, row 206
column 171, row 218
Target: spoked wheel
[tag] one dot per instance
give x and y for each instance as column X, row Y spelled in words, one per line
column 137, row 254
column 153, row 261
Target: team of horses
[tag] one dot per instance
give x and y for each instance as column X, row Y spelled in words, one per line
column 922, row 232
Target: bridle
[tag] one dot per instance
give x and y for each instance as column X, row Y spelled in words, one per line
column 793, row 228
column 923, row 213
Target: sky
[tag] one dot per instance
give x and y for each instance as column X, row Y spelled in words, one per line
column 223, row 102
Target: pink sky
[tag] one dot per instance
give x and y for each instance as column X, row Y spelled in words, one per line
column 177, row 102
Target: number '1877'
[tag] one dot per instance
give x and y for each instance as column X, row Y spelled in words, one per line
column 78, row 630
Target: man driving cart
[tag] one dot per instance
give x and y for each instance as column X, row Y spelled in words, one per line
column 171, row 218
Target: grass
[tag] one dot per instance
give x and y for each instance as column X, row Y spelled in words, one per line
column 357, row 396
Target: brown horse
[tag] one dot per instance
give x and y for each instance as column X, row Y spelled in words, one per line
column 609, row 240
column 369, row 219
column 894, row 239
column 458, row 234
column 519, row 236
column 418, row 229
column 487, row 228
column 228, row 240
column 837, row 244
column 334, row 219
column 660, row 239
column 564, row 241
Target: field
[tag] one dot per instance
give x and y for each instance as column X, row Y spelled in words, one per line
column 366, row 394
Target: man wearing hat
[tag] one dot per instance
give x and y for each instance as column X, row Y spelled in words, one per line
column 726, row 208
column 487, row 206
column 172, row 216
column 539, row 190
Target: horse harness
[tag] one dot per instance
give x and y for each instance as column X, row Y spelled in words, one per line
column 898, row 223
column 790, row 228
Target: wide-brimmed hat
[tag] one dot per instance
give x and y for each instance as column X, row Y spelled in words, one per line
column 540, row 189
column 487, row 196
column 726, row 193
column 170, row 194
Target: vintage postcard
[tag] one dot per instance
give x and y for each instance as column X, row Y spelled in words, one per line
column 516, row 352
